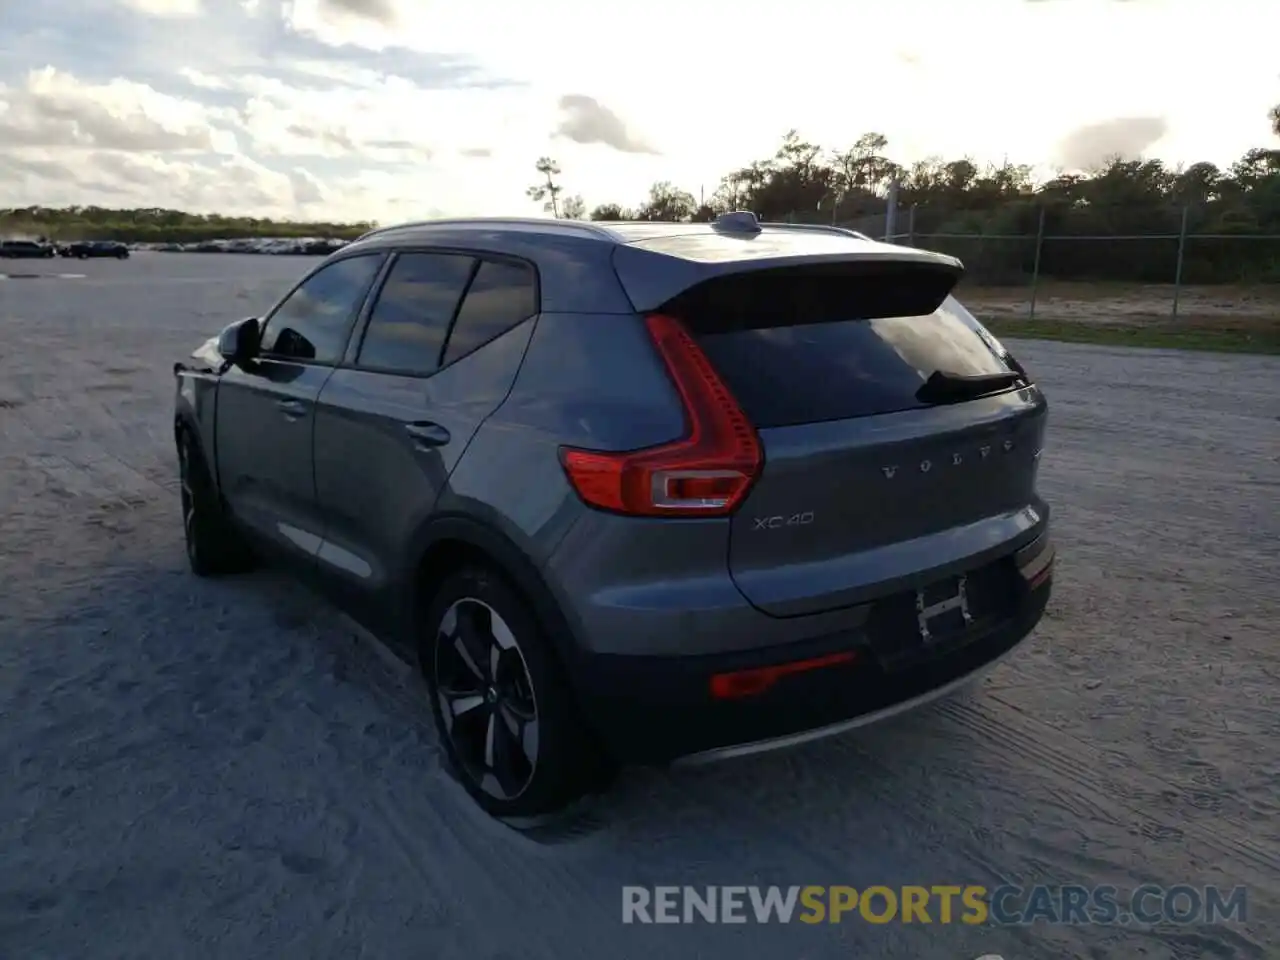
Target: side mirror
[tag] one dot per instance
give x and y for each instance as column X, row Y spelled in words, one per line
column 238, row 342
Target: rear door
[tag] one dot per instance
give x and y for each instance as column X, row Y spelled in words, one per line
column 866, row 488
column 266, row 413
column 439, row 351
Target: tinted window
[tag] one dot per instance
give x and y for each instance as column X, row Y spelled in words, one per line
column 312, row 324
column 410, row 320
column 501, row 296
column 784, row 370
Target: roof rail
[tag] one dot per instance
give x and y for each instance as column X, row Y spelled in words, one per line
column 569, row 227
column 817, row 228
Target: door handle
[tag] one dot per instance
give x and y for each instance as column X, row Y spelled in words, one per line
column 292, row 409
column 427, row 434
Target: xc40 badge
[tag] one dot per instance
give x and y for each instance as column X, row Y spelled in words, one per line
column 783, row 520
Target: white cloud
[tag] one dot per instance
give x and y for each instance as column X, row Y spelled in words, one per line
column 586, row 120
column 307, row 189
column 234, row 185
column 362, row 22
column 178, row 9
column 203, row 80
column 389, row 108
column 125, row 179
column 384, row 120
column 1091, row 145
column 53, row 109
column 383, row 12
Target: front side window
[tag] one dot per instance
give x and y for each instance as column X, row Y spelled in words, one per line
column 410, row 320
column 313, row 322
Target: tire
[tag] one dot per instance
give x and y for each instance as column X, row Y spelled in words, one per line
column 214, row 547
column 512, row 735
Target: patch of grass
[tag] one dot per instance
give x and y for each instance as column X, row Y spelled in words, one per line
column 1227, row 338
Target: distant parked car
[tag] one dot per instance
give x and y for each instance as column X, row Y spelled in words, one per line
column 320, row 248
column 26, row 249
column 92, row 249
column 631, row 492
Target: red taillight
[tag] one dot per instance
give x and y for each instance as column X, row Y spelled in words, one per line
column 753, row 682
column 707, row 473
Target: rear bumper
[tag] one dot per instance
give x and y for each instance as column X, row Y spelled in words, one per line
column 659, row 710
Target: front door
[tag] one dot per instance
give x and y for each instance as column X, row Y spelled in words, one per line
column 265, row 419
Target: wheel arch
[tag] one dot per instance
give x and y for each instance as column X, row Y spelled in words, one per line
column 193, row 412
column 445, row 544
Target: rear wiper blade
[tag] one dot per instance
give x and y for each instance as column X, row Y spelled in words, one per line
column 943, row 387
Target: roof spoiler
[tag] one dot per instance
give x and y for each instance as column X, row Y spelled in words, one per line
column 888, row 280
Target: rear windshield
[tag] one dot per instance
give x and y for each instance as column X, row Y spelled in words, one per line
column 796, row 372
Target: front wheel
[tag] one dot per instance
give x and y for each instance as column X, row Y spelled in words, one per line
column 501, row 704
column 214, row 547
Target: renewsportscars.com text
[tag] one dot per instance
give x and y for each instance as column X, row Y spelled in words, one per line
column 1146, row 905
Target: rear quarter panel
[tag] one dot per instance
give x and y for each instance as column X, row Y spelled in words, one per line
column 587, row 380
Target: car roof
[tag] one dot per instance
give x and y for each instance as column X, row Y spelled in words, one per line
column 580, row 262
column 641, row 232
column 737, row 236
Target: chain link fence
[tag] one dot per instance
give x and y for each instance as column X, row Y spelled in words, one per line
column 1036, row 271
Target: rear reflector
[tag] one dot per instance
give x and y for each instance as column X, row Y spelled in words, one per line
column 1041, row 578
column 1039, row 568
column 706, row 473
column 750, row 683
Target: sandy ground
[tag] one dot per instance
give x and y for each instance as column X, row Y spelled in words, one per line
column 195, row 769
column 1255, row 307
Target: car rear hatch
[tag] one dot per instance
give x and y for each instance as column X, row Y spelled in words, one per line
column 900, row 439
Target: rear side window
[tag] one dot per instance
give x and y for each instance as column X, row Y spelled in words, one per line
column 313, row 322
column 501, row 296
column 788, row 362
column 410, row 320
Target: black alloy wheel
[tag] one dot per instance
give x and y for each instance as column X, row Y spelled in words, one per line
column 486, row 699
column 506, row 713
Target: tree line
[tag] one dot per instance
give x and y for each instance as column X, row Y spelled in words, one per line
column 1122, row 221
column 158, row 225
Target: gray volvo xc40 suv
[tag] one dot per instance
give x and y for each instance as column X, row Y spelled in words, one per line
column 631, row 492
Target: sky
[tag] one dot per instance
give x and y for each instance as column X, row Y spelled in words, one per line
column 403, row 109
